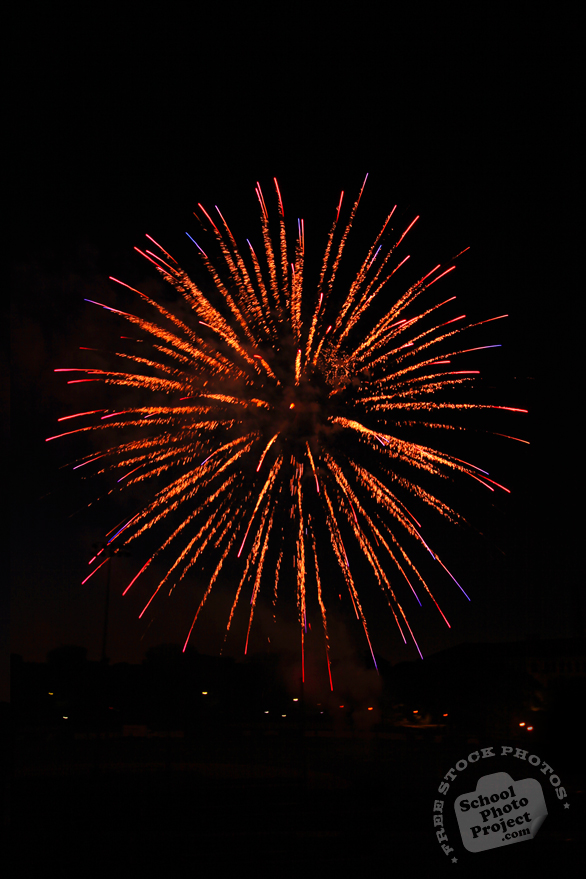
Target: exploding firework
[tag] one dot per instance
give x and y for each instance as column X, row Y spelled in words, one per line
column 285, row 433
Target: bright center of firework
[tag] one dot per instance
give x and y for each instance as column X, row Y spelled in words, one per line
column 285, row 420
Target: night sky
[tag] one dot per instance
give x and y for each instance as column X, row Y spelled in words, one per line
column 122, row 129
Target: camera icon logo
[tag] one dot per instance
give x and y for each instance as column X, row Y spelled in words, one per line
column 500, row 812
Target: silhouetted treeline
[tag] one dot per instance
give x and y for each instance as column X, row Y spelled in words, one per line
column 479, row 690
column 169, row 690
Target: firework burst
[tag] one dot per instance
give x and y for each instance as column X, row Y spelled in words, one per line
column 285, row 437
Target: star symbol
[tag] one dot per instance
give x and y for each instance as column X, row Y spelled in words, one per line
column 566, row 805
column 454, row 860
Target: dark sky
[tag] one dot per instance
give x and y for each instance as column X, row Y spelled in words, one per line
column 121, row 128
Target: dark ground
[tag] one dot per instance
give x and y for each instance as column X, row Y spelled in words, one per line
column 237, row 799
